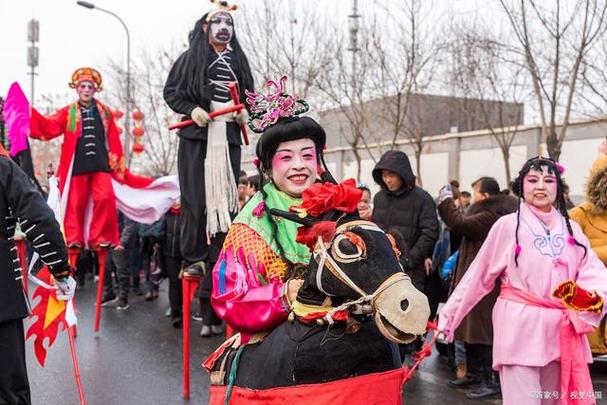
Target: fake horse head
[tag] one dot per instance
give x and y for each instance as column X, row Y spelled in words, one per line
column 355, row 267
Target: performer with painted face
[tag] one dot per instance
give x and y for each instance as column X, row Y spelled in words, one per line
column 209, row 151
column 256, row 277
column 553, row 288
column 90, row 155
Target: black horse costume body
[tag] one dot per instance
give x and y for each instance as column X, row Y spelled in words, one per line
column 303, row 352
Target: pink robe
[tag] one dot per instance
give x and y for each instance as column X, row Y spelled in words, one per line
column 526, row 335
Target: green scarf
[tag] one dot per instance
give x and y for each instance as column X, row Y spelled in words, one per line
column 287, row 230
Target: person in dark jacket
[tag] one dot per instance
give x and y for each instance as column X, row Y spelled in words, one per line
column 118, row 264
column 402, row 206
column 476, row 331
column 197, row 85
column 171, row 251
column 21, row 203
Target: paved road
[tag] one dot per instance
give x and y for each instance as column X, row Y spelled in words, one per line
column 136, row 359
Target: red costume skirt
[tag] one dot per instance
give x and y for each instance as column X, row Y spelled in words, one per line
column 383, row 388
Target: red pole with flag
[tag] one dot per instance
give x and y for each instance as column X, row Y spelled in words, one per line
column 50, row 313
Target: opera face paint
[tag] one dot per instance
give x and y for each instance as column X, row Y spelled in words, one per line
column 221, row 28
column 294, row 166
column 540, row 188
column 86, row 91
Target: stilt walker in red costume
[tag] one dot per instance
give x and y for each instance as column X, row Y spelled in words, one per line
column 91, row 153
column 91, row 168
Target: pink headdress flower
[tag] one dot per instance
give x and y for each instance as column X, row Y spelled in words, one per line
column 266, row 110
column 560, row 167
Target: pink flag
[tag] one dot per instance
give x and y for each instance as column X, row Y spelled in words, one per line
column 17, row 119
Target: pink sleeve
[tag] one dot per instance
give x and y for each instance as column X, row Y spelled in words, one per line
column 243, row 297
column 591, row 276
column 479, row 280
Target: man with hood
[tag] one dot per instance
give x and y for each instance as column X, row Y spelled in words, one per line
column 591, row 215
column 403, row 207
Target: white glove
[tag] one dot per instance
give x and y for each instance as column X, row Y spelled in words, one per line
column 241, row 117
column 65, row 288
column 200, row 117
column 445, row 193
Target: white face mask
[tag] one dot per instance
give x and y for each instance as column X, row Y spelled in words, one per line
column 221, row 28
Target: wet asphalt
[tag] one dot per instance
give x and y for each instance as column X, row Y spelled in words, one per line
column 136, row 359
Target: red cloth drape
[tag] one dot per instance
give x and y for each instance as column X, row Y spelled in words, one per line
column 383, row 388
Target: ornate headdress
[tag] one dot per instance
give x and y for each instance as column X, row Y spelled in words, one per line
column 266, row 110
column 86, row 74
column 223, row 6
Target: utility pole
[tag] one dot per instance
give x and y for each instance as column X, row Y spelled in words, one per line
column 33, row 36
column 354, row 26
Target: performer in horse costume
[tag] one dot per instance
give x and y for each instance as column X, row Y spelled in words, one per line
column 209, row 151
column 267, row 274
column 553, row 288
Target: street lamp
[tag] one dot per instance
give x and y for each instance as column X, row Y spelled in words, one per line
column 91, row 6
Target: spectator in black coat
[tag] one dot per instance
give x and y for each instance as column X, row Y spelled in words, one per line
column 171, row 251
column 403, row 207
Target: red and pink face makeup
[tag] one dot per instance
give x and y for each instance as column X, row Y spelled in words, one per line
column 540, row 188
column 86, row 91
column 294, row 166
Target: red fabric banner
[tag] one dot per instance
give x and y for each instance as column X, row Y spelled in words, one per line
column 379, row 389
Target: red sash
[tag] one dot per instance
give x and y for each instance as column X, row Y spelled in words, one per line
column 575, row 376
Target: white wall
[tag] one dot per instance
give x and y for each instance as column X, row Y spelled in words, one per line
column 489, row 162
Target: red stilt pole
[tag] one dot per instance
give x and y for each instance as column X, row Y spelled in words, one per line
column 71, row 336
column 101, row 256
column 189, row 285
column 22, row 252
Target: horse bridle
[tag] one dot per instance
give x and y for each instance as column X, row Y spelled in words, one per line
column 324, row 260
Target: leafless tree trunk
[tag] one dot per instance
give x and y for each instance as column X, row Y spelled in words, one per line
column 554, row 53
column 149, row 72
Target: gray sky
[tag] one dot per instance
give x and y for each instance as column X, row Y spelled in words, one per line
column 72, row 36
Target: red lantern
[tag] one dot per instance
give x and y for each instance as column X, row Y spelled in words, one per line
column 138, row 147
column 117, row 114
column 137, row 115
column 138, row 131
column 120, row 130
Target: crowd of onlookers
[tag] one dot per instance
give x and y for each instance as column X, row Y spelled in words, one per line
column 441, row 238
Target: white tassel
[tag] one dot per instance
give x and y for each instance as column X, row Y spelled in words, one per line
column 220, row 188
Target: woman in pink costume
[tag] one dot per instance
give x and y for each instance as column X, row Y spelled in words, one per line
column 552, row 292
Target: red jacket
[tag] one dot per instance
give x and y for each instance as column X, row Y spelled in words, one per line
column 68, row 121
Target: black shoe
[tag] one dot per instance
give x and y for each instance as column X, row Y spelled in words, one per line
column 107, row 298
column 149, row 296
column 119, row 303
column 123, row 304
column 195, row 270
column 484, row 391
column 467, row 381
column 196, row 316
column 177, row 322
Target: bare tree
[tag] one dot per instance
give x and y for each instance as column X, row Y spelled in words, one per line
column 296, row 51
column 347, row 87
column 149, row 72
column 406, row 49
column 554, row 53
column 485, row 71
